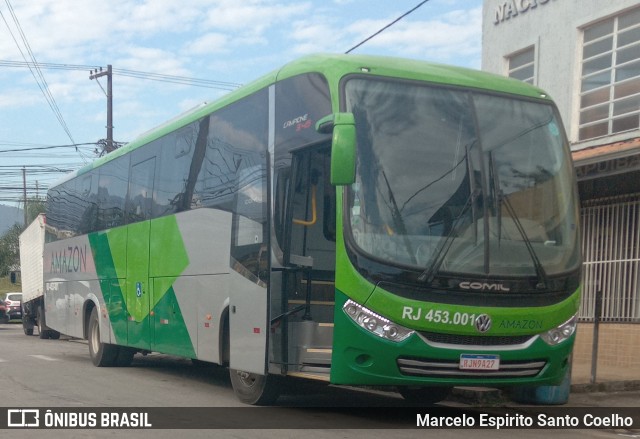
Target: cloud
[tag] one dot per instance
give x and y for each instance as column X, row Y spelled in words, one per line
column 253, row 16
column 210, row 43
column 443, row 38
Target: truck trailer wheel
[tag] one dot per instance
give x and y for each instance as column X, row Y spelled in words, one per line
column 27, row 325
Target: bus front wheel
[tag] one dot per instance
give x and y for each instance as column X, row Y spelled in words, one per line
column 254, row 389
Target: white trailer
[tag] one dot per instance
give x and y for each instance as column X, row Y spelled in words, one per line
column 31, row 267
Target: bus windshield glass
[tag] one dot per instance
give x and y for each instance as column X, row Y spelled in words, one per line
column 461, row 182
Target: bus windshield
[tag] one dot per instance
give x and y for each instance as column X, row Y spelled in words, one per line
column 461, row 182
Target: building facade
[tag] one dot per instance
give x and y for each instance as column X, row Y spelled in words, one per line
column 586, row 55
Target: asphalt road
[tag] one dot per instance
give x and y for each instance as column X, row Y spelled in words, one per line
column 59, row 375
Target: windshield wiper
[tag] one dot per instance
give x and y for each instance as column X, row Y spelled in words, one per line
column 398, row 221
column 501, row 199
column 428, row 274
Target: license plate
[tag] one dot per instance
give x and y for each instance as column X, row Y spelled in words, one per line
column 479, row 362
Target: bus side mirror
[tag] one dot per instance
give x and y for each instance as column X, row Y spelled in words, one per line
column 343, row 146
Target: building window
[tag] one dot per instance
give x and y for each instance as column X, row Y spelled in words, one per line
column 610, row 87
column 521, row 65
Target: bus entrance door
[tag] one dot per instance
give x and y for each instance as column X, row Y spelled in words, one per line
column 138, row 211
column 138, row 287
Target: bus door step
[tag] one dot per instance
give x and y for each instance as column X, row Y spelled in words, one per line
column 315, row 361
column 317, row 376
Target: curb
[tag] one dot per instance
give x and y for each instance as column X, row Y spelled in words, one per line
column 488, row 396
column 607, row 386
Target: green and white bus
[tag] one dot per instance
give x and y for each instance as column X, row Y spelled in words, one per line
column 356, row 220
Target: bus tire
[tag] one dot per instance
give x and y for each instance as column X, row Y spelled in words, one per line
column 254, row 389
column 42, row 332
column 424, row 395
column 54, row 335
column 102, row 354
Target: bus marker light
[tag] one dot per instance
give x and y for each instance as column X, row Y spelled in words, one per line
column 561, row 333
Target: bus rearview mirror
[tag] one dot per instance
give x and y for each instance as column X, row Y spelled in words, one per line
column 343, row 146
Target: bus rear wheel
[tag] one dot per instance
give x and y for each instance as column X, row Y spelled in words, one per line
column 254, row 389
column 102, row 354
column 424, row 395
column 43, row 333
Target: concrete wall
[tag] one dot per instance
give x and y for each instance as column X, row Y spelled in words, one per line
column 554, row 27
column 617, row 351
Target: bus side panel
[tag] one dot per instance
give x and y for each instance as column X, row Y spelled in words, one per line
column 189, row 266
column 138, row 291
column 247, row 325
column 71, row 278
column 169, row 322
column 110, row 250
column 78, row 292
column 55, row 305
column 202, row 299
column 116, row 310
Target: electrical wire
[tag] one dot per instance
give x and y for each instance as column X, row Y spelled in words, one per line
column 184, row 80
column 36, row 72
column 386, row 27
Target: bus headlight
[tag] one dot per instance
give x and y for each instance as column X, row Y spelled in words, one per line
column 375, row 323
column 561, row 333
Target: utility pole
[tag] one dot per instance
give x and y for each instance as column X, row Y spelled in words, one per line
column 24, row 193
column 94, row 74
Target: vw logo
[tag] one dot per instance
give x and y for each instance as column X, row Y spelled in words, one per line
column 483, row 323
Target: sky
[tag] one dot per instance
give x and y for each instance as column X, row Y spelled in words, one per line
column 158, row 47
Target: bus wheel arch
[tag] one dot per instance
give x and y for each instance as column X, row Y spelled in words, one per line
column 88, row 307
column 224, row 340
column 249, row 388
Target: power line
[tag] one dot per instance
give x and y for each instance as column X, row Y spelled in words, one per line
column 39, row 148
column 183, row 80
column 386, row 27
column 39, row 77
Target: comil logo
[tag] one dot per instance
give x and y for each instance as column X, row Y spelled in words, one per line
column 23, row 418
column 483, row 286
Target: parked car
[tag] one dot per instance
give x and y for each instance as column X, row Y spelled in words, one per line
column 4, row 317
column 13, row 302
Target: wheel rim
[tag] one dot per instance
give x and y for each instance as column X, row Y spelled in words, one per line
column 94, row 338
column 248, row 379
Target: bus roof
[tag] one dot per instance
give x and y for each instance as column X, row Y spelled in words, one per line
column 334, row 66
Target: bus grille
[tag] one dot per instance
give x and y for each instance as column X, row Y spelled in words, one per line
column 476, row 340
column 425, row 367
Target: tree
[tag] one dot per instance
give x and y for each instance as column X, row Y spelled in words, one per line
column 35, row 206
column 10, row 249
column 10, row 241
